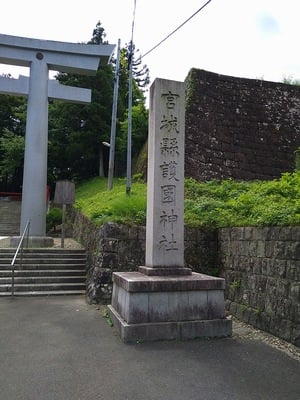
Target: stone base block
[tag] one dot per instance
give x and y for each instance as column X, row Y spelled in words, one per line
column 181, row 330
column 175, row 307
column 165, row 271
column 33, row 241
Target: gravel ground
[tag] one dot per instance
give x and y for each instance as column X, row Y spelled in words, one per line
column 245, row 331
column 69, row 243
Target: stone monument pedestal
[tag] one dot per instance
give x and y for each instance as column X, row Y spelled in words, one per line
column 182, row 307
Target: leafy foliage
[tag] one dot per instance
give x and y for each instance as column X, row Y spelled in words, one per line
column 291, row 81
column 11, row 161
column 139, row 128
column 212, row 204
column 12, row 131
column 76, row 132
column 53, row 218
column 12, row 113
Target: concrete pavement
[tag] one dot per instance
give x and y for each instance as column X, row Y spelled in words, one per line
column 60, row 348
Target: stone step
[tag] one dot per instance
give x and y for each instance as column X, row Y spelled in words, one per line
column 43, row 287
column 31, row 257
column 47, row 272
column 49, row 266
column 43, row 272
column 45, row 293
column 9, row 228
column 51, row 252
column 21, row 280
column 46, row 260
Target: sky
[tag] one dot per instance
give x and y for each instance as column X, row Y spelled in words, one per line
column 256, row 39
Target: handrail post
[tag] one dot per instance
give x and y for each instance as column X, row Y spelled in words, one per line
column 27, row 240
column 21, row 255
column 20, row 246
column 13, row 280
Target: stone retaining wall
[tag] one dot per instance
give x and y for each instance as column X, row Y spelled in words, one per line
column 262, row 271
column 261, row 267
column 240, row 128
column 113, row 247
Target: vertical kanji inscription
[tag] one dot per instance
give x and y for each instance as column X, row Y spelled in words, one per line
column 165, row 224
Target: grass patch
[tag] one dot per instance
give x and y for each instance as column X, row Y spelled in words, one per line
column 212, row 204
column 100, row 205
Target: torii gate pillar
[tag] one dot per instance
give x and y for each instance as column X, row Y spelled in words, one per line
column 42, row 56
column 34, row 204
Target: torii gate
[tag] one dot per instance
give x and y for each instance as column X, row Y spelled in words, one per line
column 42, row 56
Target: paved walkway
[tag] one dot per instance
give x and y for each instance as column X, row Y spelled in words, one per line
column 60, row 348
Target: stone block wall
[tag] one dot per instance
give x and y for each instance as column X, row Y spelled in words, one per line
column 113, row 247
column 110, row 247
column 262, row 271
column 240, row 128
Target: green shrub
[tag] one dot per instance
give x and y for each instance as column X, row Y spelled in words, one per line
column 53, row 218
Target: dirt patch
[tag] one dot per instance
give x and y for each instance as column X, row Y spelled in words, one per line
column 69, row 243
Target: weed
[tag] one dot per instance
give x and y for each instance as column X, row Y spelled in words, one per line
column 235, row 284
column 257, row 311
column 244, row 307
column 106, row 315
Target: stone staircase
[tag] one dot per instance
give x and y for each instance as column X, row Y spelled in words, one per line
column 44, row 272
column 10, row 213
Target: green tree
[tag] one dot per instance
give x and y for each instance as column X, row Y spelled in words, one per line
column 12, row 159
column 12, row 131
column 139, row 133
column 76, row 132
column 140, row 79
column 139, row 112
column 291, row 81
column 12, row 111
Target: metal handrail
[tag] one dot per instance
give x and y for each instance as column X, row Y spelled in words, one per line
column 20, row 246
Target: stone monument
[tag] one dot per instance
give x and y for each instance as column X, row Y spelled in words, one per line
column 42, row 56
column 163, row 299
column 64, row 194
